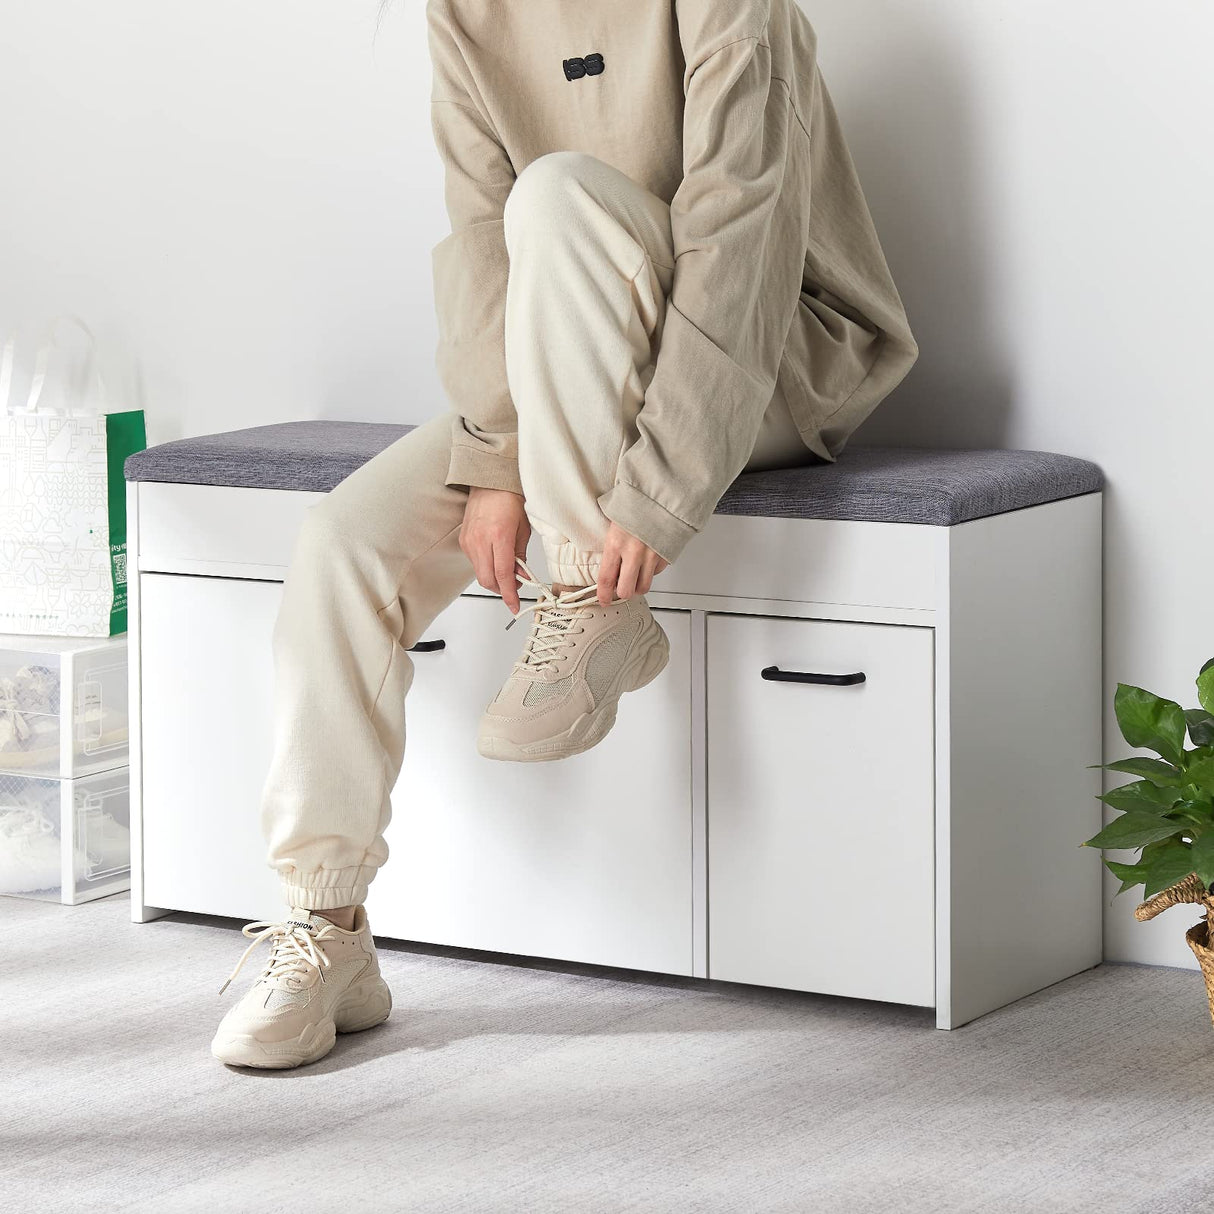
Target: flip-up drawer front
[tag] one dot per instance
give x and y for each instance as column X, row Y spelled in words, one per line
column 250, row 532
column 213, row 528
column 889, row 565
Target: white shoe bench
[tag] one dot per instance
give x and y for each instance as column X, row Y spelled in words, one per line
column 865, row 771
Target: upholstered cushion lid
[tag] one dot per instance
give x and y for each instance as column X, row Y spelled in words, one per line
column 938, row 487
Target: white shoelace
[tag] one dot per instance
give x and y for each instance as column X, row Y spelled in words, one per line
column 553, row 620
column 18, row 820
column 295, row 950
column 10, row 710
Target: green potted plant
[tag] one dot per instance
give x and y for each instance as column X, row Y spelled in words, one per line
column 1167, row 813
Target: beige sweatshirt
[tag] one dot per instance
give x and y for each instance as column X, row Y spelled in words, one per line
column 718, row 107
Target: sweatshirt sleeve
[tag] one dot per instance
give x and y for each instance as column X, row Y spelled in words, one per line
column 738, row 242
column 470, row 269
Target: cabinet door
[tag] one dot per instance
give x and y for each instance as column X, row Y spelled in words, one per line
column 587, row 858
column 820, row 808
column 206, row 684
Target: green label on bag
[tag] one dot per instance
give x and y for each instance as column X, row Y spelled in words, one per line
column 125, row 433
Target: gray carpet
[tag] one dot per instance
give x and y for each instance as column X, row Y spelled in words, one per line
column 497, row 1087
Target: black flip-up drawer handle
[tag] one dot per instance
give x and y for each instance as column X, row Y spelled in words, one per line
column 773, row 674
column 428, row 646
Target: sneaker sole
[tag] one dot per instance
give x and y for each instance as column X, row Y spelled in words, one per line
column 363, row 1008
column 649, row 658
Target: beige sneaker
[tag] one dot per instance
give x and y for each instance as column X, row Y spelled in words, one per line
column 561, row 697
column 319, row 981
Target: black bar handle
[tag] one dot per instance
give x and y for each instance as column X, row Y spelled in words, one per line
column 774, row 674
column 428, row 646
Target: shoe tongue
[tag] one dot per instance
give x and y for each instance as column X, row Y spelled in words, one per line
column 310, row 921
column 312, row 924
column 557, row 617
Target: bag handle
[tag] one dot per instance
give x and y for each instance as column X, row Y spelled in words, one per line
column 49, row 343
column 6, row 371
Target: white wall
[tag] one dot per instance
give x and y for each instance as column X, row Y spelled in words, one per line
column 1041, row 174
column 243, row 199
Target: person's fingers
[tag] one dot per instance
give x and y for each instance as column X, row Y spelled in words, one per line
column 662, row 564
column 486, row 577
column 504, row 568
column 488, row 571
column 645, row 578
column 655, row 567
column 473, row 553
column 521, row 538
column 609, row 571
column 630, row 568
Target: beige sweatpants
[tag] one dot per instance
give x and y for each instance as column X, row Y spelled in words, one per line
column 378, row 557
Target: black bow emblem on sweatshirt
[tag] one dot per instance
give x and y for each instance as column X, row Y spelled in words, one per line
column 589, row 65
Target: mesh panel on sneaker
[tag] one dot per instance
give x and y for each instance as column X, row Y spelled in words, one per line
column 604, row 663
column 541, row 693
column 293, row 996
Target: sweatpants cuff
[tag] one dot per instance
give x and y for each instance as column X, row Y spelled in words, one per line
column 571, row 565
column 327, row 888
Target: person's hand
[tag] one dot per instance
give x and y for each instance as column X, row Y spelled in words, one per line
column 628, row 566
column 494, row 532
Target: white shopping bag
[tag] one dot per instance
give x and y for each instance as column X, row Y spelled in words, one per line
column 63, row 501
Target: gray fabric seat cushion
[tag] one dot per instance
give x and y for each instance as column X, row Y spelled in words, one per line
column 934, row 486
column 313, row 455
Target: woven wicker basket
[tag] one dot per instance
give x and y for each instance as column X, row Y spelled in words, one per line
column 1191, row 889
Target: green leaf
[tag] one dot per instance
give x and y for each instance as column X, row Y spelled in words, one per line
column 1135, row 829
column 1205, row 686
column 1130, row 874
column 1155, row 770
column 1200, row 807
column 1201, row 773
column 1167, row 866
column 1143, row 795
column 1149, row 721
column 1199, row 811
column 1201, row 726
column 1202, row 853
column 1152, row 850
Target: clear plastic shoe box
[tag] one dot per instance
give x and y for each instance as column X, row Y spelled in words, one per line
column 63, row 705
column 65, row 841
